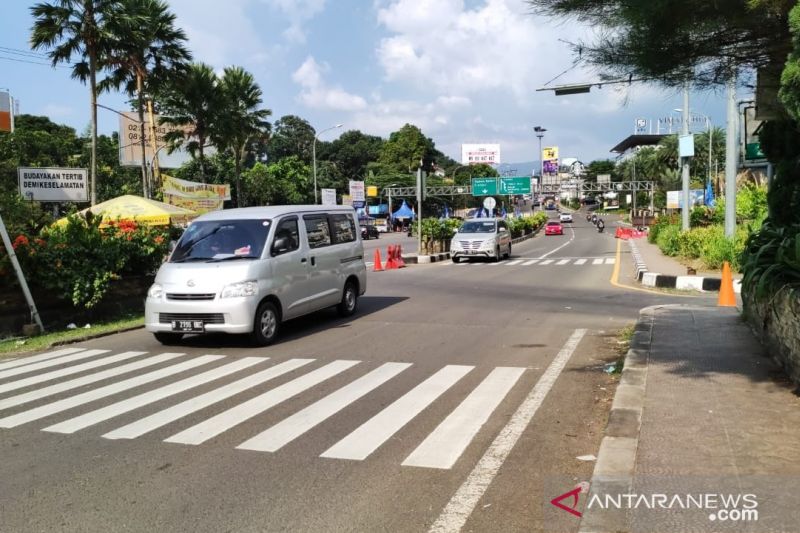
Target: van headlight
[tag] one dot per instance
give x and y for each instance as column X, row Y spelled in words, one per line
column 455, row 245
column 488, row 244
column 155, row 291
column 243, row 288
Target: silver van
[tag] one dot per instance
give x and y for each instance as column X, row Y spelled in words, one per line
column 248, row 270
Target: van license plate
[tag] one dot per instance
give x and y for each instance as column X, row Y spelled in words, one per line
column 188, row 326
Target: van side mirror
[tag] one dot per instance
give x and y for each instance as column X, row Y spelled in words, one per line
column 280, row 246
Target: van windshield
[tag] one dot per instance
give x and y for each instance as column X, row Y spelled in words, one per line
column 217, row 240
column 475, row 226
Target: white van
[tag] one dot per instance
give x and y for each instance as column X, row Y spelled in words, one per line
column 247, row 270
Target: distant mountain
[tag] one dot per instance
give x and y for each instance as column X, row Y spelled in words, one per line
column 519, row 169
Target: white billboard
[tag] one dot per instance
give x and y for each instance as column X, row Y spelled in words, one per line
column 328, row 196
column 476, row 154
column 54, row 184
column 357, row 191
column 130, row 151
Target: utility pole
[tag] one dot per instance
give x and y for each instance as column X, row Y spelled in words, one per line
column 419, row 209
column 685, row 162
column 20, row 276
column 731, row 160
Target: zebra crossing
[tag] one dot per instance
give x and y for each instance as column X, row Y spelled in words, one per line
column 538, row 262
column 50, row 381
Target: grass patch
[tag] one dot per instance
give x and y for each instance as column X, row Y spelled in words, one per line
column 19, row 345
column 623, row 339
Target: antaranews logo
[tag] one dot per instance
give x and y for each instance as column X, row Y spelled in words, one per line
column 572, row 497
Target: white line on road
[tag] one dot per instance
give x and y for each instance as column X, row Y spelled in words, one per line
column 289, row 429
column 85, row 380
column 580, row 261
column 52, row 362
column 597, row 262
column 531, row 262
column 234, row 416
column 610, row 260
column 443, row 447
column 514, row 262
column 48, row 376
column 457, row 511
column 115, row 409
column 563, row 262
column 547, row 261
column 92, row 395
column 162, row 418
column 41, row 357
column 572, row 238
column 359, row 444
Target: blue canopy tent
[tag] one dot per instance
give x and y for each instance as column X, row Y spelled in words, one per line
column 404, row 212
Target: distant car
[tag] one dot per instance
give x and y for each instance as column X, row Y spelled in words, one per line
column 550, row 207
column 481, row 237
column 368, row 231
column 554, row 227
column 565, row 217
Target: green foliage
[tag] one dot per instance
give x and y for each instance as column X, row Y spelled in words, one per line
column 771, row 259
column 78, row 260
column 780, row 140
column 751, row 204
column 406, row 148
column 292, row 136
column 285, row 182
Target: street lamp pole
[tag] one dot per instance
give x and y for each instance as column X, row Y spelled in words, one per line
column 539, row 133
column 314, row 156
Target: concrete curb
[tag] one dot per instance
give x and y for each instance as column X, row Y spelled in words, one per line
column 614, row 469
column 666, row 281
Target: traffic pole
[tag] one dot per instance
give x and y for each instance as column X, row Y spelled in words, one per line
column 20, row 275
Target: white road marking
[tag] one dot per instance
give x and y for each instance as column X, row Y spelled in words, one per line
column 531, row 262
column 443, row 447
column 514, row 262
column 572, row 238
column 359, row 444
column 610, row 260
column 212, row 427
column 289, row 429
column 563, row 262
column 85, row 380
column 547, row 261
column 41, row 378
column 580, row 261
column 51, row 362
column 110, row 411
column 162, row 418
column 461, row 505
column 36, row 358
column 90, row 396
column 597, row 262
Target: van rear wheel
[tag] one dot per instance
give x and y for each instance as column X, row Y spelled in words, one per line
column 168, row 339
column 265, row 326
column 349, row 301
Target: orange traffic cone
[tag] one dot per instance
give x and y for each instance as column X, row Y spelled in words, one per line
column 399, row 256
column 726, row 296
column 390, row 262
column 376, row 262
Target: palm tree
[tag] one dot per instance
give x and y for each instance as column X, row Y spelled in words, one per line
column 148, row 47
column 192, row 105
column 241, row 121
column 76, row 28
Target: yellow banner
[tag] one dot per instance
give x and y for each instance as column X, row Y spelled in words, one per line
column 198, row 205
column 549, row 153
column 192, row 189
column 372, row 190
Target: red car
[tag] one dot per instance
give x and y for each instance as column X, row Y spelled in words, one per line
column 554, row 227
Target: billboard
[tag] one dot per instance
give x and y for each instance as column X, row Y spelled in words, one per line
column 199, row 197
column 328, row 196
column 549, row 153
column 6, row 112
column 130, row 151
column 675, row 200
column 476, row 154
column 54, row 184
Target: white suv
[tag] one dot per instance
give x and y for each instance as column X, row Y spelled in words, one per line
column 481, row 237
column 565, row 217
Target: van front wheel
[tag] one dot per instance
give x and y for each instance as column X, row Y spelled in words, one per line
column 349, row 301
column 265, row 326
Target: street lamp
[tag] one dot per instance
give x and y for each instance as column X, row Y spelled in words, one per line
column 540, row 133
column 314, row 156
column 710, row 138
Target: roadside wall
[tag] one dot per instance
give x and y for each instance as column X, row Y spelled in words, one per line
column 776, row 322
column 125, row 295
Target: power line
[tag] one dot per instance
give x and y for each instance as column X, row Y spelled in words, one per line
column 18, row 51
column 31, row 62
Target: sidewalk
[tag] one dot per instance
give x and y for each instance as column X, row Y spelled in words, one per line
column 654, row 269
column 700, row 409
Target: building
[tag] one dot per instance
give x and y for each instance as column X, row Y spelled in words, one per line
column 6, row 111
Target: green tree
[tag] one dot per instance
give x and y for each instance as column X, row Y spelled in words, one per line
column 77, row 29
column 147, row 46
column 351, row 153
column 406, row 148
column 463, row 174
column 241, row 120
column 600, row 166
column 283, row 182
column 292, row 136
column 192, row 104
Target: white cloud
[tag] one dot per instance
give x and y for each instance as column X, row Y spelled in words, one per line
column 317, row 94
column 298, row 12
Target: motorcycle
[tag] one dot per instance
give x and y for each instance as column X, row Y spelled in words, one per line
column 600, row 226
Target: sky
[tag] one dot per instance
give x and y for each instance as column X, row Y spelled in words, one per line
column 463, row 71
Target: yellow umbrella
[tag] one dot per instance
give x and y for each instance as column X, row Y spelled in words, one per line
column 141, row 210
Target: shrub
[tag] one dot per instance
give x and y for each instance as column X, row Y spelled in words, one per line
column 667, row 239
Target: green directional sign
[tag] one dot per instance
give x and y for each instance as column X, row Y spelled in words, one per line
column 515, row 185
column 484, row 186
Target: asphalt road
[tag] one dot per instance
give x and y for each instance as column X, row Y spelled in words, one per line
column 459, row 396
